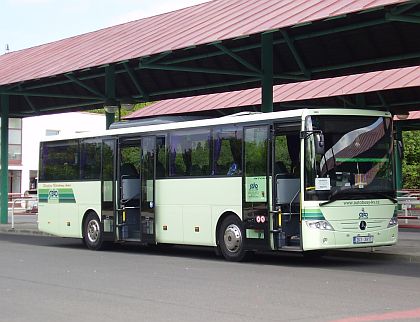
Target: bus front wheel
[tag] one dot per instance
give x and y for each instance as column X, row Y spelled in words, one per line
column 92, row 232
column 231, row 239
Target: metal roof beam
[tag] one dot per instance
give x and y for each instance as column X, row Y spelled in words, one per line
column 330, row 31
column 400, row 104
column 382, row 99
column 290, row 43
column 203, row 87
column 135, row 81
column 68, row 106
column 346, row 101
column 212, row 54
column 403, row 8
column 236, row 57
column 154, row 59
column 200, row 70
column 81, row 84
column 67, row 81
column 295, row 77
column 51, row 95
column 407, row 18
column 282, row 41
column 368, row 62
column 28, row 101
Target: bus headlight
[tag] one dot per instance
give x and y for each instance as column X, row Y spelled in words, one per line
column 319, row 224
column 393, row 221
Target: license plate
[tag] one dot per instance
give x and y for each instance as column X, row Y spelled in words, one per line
column 362, row 239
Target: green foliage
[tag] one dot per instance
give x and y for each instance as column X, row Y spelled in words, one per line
column 282, row 152
column 123, row 112
column 131, row 155
column 411, row 161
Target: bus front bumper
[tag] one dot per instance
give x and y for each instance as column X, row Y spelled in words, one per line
column 317, row 239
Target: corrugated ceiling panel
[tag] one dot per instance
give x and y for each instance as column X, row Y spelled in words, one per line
column 346, row 85
column 205, row 23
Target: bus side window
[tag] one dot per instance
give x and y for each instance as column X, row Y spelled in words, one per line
column 60, row 161
column 161, row 159
column 190, row 153
column 90, row 159
column 227, row 151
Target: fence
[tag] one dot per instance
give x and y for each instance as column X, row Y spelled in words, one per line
column 409, row 205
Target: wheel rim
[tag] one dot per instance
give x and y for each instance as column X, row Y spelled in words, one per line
column 233, row 238
column 93, row 231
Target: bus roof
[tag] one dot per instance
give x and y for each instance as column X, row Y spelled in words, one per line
column 243, row 117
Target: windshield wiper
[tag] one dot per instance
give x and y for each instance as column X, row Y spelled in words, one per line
column 354, row 192
column 334, row 196
column 383, row 195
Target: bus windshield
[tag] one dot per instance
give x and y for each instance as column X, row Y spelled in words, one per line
column 348, row 158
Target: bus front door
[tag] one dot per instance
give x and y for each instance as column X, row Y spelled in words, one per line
column 286, row 186
column 147, row 181
column 136, row 214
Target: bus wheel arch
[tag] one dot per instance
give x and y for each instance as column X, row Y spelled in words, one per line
column 92, row 231
column 230, row 237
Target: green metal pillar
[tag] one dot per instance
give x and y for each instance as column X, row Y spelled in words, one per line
column 110, row 118
column 4, row 156
column 110, row 95
column 267, row 72
column 398, row 158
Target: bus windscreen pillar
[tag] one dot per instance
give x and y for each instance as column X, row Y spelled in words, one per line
column 267, row 72
column 4, row 102
column 398, row 157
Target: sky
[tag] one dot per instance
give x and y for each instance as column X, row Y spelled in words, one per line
column 28, row 23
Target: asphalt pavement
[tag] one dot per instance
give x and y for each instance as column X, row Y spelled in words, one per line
column 407, row 248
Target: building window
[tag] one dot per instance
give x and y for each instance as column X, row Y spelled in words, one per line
column 14, row 181
column 15, row 141
column 52, row 132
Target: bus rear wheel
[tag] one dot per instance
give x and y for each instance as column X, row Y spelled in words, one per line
column 231, row 241
column 92, row 232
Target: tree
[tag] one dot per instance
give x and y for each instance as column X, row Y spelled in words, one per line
column 411, row 161
column 123, row 112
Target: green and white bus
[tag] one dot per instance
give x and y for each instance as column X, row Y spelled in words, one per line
column 301, row 180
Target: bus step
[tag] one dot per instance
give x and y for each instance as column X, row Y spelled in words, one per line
column 293, row 240
column 291, row 248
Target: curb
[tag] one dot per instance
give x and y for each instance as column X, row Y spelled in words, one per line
column 408, row 258
column 22, row 231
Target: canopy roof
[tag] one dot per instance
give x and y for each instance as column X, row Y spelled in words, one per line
column 397, row 89
column 212, row 47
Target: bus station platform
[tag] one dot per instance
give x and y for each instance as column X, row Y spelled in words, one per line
column 407, row 249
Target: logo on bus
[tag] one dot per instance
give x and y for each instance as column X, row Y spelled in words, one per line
column 253, row 186
column 363, row 214
column 53, row 196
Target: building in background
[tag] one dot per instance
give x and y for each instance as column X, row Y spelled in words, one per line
column 25, row 135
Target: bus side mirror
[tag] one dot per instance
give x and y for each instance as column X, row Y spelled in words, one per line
column 319, row 143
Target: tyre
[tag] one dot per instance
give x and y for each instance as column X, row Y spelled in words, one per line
column 92, row 232
column 231, row 239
